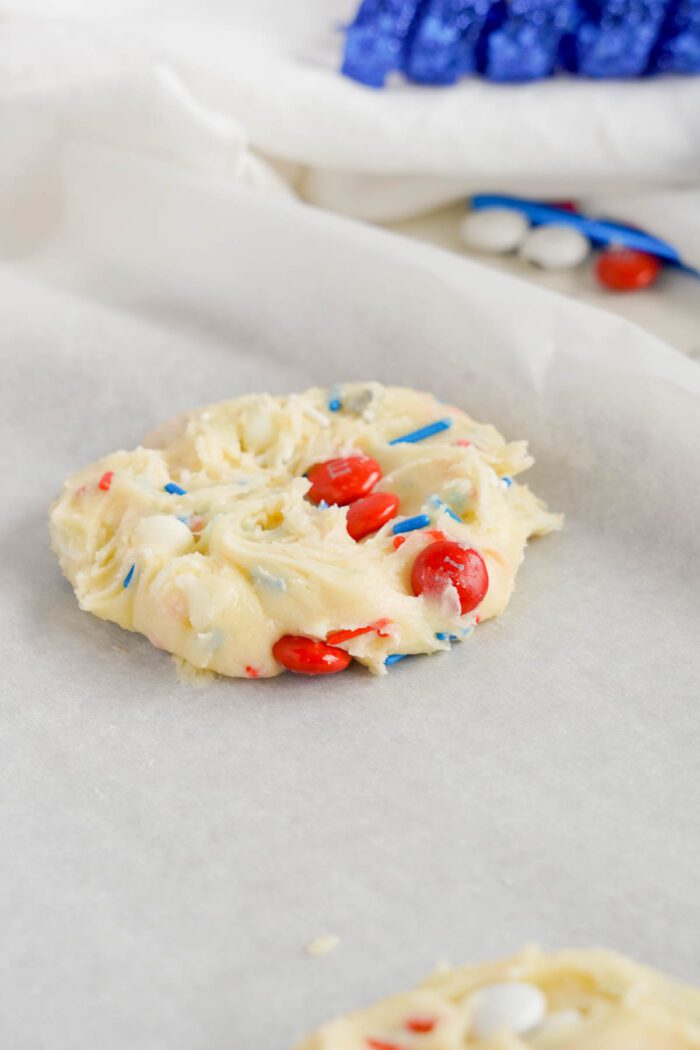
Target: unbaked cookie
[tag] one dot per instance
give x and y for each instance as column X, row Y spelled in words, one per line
column 569, row 1000
column 301, row 532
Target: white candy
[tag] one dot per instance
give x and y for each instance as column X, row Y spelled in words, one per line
column 493, row 230
column 165, row 532
column 513, row 1006
column 555, row 247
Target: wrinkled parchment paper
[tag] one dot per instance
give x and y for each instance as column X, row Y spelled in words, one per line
column 168, row 852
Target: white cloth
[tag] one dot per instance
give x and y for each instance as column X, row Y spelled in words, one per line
column 267, row 75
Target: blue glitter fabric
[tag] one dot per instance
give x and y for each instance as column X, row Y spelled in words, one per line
column 439, row 41
column 526, row 45
column 377, row 40
column 445, row 43
column 616, row 37
column 678, row 49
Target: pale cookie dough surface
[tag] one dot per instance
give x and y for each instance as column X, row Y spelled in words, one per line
column 217, row 575
column 569, row 1000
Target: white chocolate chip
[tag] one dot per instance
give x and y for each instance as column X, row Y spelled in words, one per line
column 164, row 532
column 513, row 1006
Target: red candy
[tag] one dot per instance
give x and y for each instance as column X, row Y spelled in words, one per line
column 342, row 481
column 564, row 205
column 105, row 481
column 368, row 514
column 626, row 270
column 420, row 1024
column 444, row 563
column 307, row 656
column 336, row 637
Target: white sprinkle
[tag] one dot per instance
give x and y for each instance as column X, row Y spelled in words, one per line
column 322, row 945
column 512, row 1006
column 314, row 414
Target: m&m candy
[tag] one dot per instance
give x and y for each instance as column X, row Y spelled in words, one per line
column 369, row 513
column 445, row 562
column 308, row 656
column 626, row 270
column 343, row 480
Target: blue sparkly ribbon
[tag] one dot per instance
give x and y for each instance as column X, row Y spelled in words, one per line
column 439, row 41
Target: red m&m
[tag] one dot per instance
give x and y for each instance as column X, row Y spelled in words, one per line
column 420, row 1024
column 342, row 481
column 369, row 513
column 443, row 563
column 308, row 656
column 626, row 270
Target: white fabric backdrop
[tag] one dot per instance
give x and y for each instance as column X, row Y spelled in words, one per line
column 266, row 75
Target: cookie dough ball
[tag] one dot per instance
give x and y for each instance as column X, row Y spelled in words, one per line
column 363, row 523
column 570, row 1000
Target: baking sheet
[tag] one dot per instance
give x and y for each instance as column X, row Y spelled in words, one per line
column 169, row 851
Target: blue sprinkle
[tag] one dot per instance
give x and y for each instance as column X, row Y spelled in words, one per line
column 174, row 489
column 322, row 505
column 507, row 481
column 334, row 401
column 409, row 524
column 129, row 576
column 442, row 637
column 263, row 578
column 394, row 659
column 441, row 505
column 424, row 432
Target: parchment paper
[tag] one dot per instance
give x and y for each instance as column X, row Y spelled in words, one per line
column 168, row 852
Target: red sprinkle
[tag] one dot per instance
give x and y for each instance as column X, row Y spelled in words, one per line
column 421, row 1024
column 252, row 672
column 105, row 481
column 436, row 534
column 626, row 270
column 398, row 540
column 308, row 656
column 368, row 514
column 336, row 637
column 342, row 481
column 444, row 563
column 463, row 443
column 380, row 1044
